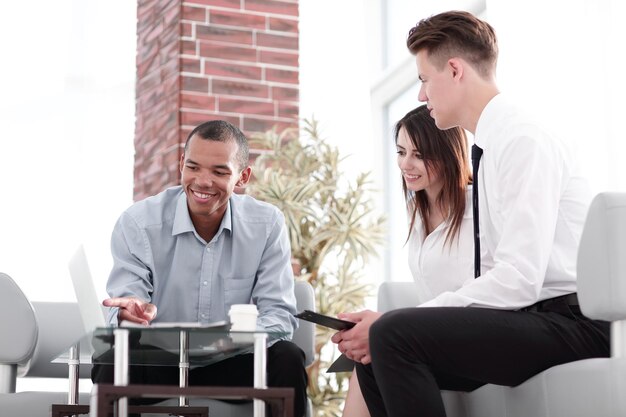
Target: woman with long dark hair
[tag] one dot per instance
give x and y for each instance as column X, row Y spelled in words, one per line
column 436, row 179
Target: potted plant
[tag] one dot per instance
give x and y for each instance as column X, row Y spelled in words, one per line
column 333, row 231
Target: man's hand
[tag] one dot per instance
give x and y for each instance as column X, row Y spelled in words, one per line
column 132, row 309
column 354, row 342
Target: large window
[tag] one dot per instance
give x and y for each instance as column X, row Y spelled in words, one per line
column 393, row 95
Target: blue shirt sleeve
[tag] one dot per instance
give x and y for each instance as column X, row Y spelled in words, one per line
column 130, row 276
column 273, row 292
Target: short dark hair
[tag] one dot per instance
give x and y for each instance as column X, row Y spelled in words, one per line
column 456, row 33
column 222, row 131
column 444, row 152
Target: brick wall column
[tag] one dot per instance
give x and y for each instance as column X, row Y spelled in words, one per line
column 199, row 60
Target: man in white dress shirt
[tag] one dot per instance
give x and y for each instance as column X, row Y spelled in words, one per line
column 532, row 209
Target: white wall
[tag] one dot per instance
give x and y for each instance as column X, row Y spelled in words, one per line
column 66, row 136
column 334, row 76
column 564, row 59
column 335, row 48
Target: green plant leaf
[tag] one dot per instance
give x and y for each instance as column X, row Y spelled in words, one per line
column 333, row 230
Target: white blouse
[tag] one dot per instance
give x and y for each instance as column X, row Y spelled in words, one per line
column 439, row 268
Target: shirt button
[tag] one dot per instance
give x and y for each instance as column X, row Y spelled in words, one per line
column 203, row 315
column 208, row 249
column 205, row 283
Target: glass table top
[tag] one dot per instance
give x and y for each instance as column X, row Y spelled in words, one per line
column 160, row 346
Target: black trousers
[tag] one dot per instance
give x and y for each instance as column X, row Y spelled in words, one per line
column 285, row 368
column 416, row 352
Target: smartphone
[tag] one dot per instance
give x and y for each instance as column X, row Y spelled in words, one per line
column 326, row 321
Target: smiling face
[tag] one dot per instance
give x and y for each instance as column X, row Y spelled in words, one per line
column 416, row 175
column 209, row 174
column 438, row 90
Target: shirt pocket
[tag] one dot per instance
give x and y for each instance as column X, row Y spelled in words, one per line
column 238, row 289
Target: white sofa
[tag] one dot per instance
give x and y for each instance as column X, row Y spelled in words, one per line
column 586, row 388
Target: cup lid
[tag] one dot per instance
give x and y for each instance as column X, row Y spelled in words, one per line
column 243, row 308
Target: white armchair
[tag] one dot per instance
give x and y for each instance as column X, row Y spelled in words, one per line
column 31, row 335
column 591, row 387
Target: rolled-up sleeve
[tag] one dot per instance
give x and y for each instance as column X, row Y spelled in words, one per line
column 273, row 292
column 130, row 275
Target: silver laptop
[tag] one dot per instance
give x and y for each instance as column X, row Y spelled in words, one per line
column 89, row 305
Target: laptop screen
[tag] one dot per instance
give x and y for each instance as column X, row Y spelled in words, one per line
column 88, row 303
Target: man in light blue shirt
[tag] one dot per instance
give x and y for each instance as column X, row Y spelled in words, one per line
column 190, row 252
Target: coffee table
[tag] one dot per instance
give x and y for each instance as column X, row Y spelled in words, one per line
column 182, row 345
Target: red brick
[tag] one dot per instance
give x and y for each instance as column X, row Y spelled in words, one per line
column 214, row 33
column 272, row 6
column 145, row 10
column 170, row 87
column 193, row 119
column 150, row 146
column 171, row 157
column 171, row 16
column 154, row 32
column 189, row 47
column 285, row 93
column 290, row 110
column 233, row 4
column 190, row 65
column 261, row 108
column 155, row 166
column 146, row 50
column 188, row 117
column 254, row 124
column 162, row 5
column 170, row 50
column 171, row 36
column 150, row 81
column 244, row 20
column 282, row 76
column 146, row 19
column 227, row 52
column 147, row 65
column 195, row 84
column 165, row 119
column 170, row 68
column 197, row 101
column 228, row 69
column 197, row 14
column 283, row 25
column 279, row 58
column 187, row 30
column 277, row 41
column 184, row 132
column 239, row 88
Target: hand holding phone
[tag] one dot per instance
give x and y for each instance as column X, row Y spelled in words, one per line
column 326, row 321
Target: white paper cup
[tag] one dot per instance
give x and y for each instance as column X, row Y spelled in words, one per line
column 243, row 317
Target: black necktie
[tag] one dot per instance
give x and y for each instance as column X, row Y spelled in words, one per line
column 476, row 154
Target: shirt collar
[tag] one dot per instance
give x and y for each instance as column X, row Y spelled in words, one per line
column 487, row 119
column 182, row 219
column 183, row 223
